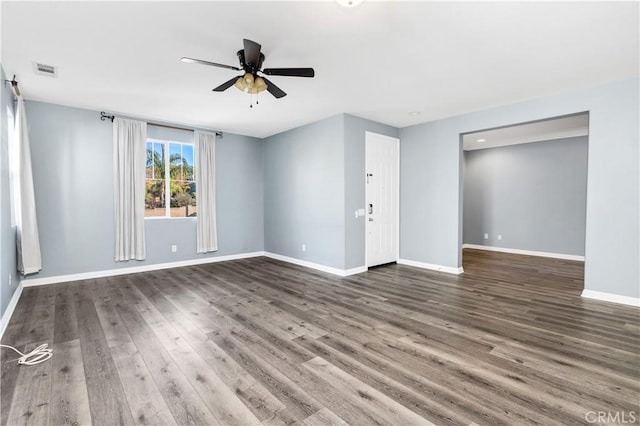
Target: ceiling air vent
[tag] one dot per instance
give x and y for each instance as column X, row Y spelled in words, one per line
column 43, row 69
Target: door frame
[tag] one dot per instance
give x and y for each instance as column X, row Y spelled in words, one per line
column 397, row 224
column 461, row 184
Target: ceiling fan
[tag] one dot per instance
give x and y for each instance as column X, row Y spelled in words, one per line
column 253, row 80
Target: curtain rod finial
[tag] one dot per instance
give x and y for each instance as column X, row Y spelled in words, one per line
column 104, row 116
column 14, row 85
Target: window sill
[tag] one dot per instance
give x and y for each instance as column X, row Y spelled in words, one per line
column 169, row 218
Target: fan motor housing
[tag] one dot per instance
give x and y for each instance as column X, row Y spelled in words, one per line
column 251, row 68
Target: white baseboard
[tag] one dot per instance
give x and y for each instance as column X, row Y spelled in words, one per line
column 431, row 266
column 354, row 271
column 525, row 252
column 609, row 297
column 10, row 308
column 135, row 269
column 319, row 267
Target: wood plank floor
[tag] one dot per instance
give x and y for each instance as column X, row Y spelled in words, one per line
column 259, row 341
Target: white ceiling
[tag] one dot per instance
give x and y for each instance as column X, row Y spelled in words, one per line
column 380, row 60
column 545, row 130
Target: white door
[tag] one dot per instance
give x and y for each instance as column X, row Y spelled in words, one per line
column 382, row 188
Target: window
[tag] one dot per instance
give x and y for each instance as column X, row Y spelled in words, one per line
column 170, row 187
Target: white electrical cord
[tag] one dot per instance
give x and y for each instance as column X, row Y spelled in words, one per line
column 36, row 356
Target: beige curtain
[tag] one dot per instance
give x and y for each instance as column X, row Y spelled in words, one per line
column 129, row 156
column 28, row 239
column 207, row 235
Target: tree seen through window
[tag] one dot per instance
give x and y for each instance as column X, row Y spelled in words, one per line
column 170, row 165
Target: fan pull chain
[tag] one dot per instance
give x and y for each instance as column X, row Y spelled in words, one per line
column 251, row 99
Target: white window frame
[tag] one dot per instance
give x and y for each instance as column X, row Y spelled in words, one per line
column 167, row 177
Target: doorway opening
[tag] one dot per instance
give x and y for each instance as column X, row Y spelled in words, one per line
column 524, row 193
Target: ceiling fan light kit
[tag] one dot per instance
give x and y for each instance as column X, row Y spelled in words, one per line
column 252, row 81
column 258, row 85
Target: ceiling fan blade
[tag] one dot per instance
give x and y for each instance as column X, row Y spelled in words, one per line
column 251, row 52
column 274, row 90
column 213, row 64
column 290, row 72
column 224, row 86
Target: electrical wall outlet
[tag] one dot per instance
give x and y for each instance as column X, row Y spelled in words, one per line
column 304, row 247
column 486, row 236
column 174, row 248
column 499, row 237
column 10, row 280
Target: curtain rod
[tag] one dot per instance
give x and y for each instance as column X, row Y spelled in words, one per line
column 14, row 85
column 104, row 116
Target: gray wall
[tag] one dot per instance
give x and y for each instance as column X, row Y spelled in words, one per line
column 314, row 182
column 354, row 188
column 304, row 192
column 429, row 194
column 534, row 195
column 73, row 178
column 430, row 209
column 7, row 231
column 310, row 172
